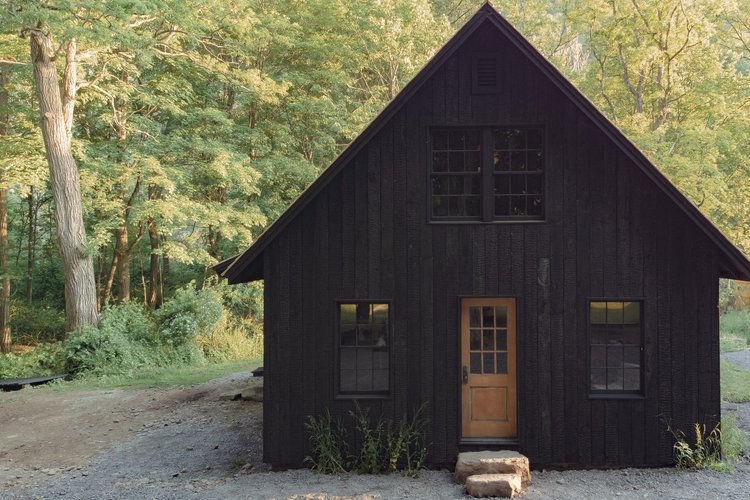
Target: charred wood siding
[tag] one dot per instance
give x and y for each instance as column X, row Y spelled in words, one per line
column 609, row 232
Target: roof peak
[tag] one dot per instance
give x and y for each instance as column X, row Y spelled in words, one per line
column 735, row 266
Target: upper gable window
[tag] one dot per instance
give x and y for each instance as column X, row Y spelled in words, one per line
column 518, row 172
column 456, row 171
column 487, row 174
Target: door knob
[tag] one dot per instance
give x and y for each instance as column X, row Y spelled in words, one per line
column 465, row 375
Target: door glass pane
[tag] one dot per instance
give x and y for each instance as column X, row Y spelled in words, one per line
column 475, row 340
column 488, row 317
column 474, row 316
column 489, row 362
column 502, row 340
column 501, row 316
column 475, row 362
column 502, row 363
column 488, row 340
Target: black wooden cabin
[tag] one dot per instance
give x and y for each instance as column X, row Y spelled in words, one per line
column 492, row 245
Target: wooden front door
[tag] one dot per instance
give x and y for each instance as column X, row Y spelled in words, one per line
column 488, row 368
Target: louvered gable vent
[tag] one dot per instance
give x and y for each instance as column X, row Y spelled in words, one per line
column 485, row 74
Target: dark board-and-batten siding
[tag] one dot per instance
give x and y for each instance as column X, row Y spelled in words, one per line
column 609, row 232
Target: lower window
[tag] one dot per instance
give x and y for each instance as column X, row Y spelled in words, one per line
column 615, row 347
column 364, row 348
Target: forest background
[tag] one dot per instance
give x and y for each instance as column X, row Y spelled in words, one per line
column 193, row 124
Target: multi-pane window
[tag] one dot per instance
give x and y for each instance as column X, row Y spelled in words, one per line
column 518, row 172
column 363, row 348
column 487, row 174
column 488, row 340
column 615, row 334
column 456, row 169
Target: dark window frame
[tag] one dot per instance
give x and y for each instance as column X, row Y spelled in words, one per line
column 616, row 393
column 338, row 394
column 487, row 177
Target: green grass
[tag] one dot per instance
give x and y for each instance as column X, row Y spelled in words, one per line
column 157, row 377
column 735, row 383
column 734, row 328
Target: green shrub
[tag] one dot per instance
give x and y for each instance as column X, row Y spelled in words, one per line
column 328, row 442
column 704, row 450
column 384, row 447
column 188, row 314
column 46, row 359
column 242, row 340
column 371, row 453
column 123, row 341
column 36, row 324
column 192, row 328
column 407, row 443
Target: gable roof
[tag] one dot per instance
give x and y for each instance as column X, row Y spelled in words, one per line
column 247, row 267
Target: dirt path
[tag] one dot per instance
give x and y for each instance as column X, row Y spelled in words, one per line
column 45, row 434
column 188, row 443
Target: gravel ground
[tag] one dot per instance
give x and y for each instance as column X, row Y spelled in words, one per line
column 208, row 448
column 739, row 358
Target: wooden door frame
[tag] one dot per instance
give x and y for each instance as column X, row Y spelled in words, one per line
column 459, row 384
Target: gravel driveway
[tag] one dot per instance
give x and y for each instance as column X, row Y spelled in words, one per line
column 207, row 448
column 739, row 358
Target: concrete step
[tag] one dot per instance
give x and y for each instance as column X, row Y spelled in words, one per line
column 472, row 463
column 494, row 485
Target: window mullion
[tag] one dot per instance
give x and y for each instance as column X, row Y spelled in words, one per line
column 486, row 172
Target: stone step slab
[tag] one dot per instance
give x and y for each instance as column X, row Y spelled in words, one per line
column 492, row 462
column 494, row 485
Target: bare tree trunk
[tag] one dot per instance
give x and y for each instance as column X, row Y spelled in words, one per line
column 154, row 299
column 31, row 248
column 110, row 279
column 5, row 340
column 80, row 290
column 124, row 248
column 123, row 262
column 163, row 272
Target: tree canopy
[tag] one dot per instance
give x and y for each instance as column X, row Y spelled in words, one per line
column 197, row 122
